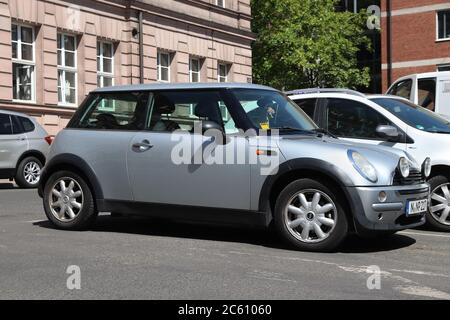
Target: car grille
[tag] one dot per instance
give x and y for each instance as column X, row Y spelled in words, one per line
column 415, row 177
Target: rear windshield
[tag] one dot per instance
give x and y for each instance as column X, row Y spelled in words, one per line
column 414, row 115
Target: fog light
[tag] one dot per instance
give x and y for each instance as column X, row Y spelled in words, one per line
column 382, row 196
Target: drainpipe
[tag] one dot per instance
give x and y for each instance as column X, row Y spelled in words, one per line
column 141, row 47
column 389, row 41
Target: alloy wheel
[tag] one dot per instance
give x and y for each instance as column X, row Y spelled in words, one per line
column 310, row 216
column 440, row 204
column 32, row 172
column 66, row 200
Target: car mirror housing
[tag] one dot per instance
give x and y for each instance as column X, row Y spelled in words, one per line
column 390, row 133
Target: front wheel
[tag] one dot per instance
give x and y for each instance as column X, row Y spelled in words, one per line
column 68, row 201
column 309, row 216
column 438, row 217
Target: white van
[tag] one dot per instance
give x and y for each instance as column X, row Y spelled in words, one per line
column 429, row 90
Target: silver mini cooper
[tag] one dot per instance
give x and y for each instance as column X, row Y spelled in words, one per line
column 226, row 153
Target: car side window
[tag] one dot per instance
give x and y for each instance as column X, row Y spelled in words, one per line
column 352, row 119
column 27, row 124
column 179, row 110
column 307, row 105
column 17, row 127
column 402, row 89
column 116, row 111
column 5, row 124
column 427, row 93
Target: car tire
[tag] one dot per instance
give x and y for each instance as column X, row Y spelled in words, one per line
column 296, row 225
column 68, row 201
column 28, row 173
column 440, row 197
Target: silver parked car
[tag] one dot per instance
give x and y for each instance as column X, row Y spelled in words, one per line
column 24, row 145
column 137, row 151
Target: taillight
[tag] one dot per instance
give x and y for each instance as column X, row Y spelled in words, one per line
column 49, row 139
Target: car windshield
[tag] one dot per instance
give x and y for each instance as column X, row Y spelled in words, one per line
column 268, row 110
column 414, row 115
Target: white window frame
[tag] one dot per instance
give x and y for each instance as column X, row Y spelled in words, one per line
column 65, row 69
column 437, row 25
column 160, row 67
column 191, row 72
column 19, row 60
column 223, row 3
column 227, row 69
column 101, row 73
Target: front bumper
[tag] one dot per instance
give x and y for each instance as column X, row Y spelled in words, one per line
column 371, row 214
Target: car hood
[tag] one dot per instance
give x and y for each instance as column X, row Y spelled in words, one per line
column 335, row 151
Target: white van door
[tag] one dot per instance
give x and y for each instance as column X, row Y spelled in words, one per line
column 443, row 96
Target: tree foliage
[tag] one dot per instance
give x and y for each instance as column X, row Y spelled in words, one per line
column 307, row 43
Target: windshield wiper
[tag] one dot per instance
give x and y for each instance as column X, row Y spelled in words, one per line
column 438, row 131
column 324, row 131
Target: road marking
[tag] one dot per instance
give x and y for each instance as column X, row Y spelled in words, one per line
column 425, row 234
column 34, row 221
column 423, row 292
column 422, row 273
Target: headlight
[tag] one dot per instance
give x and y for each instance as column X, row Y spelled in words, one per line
column 363, row 166
column 426, row 167
column 403, row 167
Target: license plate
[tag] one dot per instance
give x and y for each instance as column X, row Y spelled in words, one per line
column 416, row 207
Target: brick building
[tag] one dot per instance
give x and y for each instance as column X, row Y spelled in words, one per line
column 415, row 37
column 54, row 52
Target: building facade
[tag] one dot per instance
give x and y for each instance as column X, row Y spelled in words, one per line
column 54, row 52
column 415, row 38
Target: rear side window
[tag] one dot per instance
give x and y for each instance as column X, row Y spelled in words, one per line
column 27, row 124
column 427, row 93
column 307, row 105
column 402, row 89
column 115, row 111
column 5, row 124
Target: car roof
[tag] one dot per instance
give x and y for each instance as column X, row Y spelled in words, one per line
column 14, row 113
column 425, row 75
column 182, row 86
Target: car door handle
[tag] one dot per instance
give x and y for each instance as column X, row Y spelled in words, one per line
column 142, row 146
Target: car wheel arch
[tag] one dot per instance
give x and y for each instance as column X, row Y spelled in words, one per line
column 440, row 169
column 31, row 153
column 73, row 163
column 304, row 168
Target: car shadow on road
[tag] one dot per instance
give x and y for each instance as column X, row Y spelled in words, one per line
column 201, row 231
column 8, row 185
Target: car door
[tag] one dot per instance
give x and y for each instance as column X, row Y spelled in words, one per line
column 105, row 129
column 168, row 164
column 13, row 143
column 357, row 122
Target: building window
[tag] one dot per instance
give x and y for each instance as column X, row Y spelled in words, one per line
column 194, row 70
column 23, row 62
column 222, row 72
column 220, row 3
column 67, row 69
column 163, row 67
column 105, row 64
column 443, row 18
column 443, row 67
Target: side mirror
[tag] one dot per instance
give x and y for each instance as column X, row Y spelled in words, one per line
column 214, row 130
column 388, row 132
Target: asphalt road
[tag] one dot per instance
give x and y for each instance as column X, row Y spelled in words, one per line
column 131, row 258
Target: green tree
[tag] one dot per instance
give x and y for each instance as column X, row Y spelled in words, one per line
column 306, row 43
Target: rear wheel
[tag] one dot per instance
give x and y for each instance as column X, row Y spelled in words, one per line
column 68, row 201
column 309, row 216
column 438, row 217
column 28, row 173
